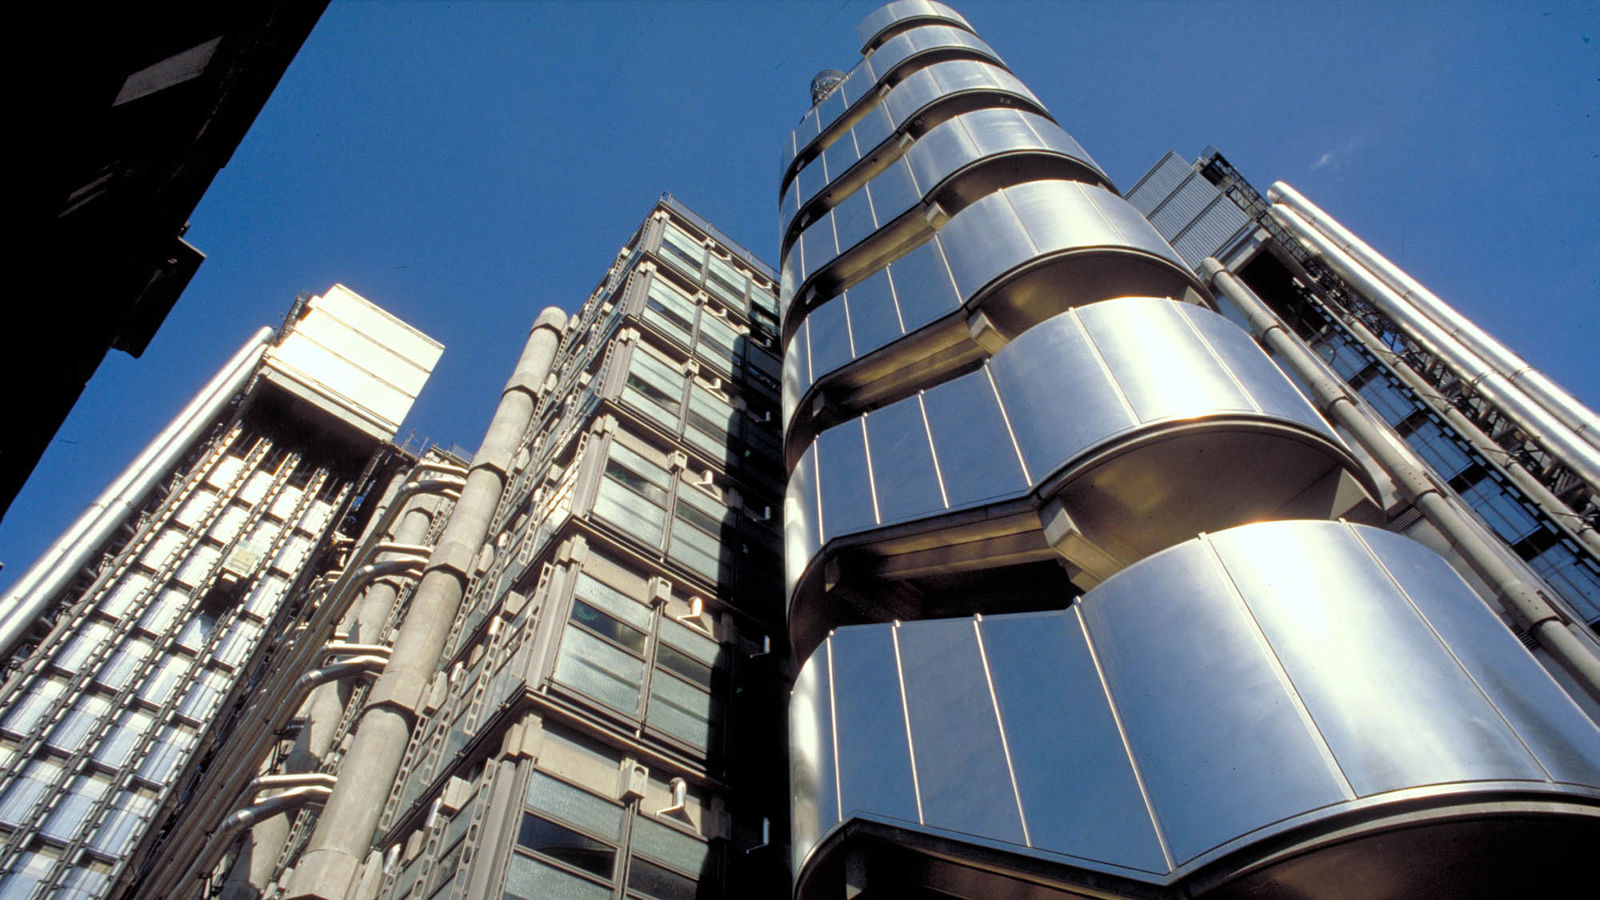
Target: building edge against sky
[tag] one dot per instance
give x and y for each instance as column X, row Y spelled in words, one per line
column 594, row 705
column 1016, row 524
column 1012, row 411
column 134, row 635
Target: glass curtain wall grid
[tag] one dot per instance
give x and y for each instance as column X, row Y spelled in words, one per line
column 192, row 569
column 1210, row 202
column 111, row 706
column 1035, row 599
column 606, row 721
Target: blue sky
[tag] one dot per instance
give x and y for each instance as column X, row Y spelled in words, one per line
column 466, row 164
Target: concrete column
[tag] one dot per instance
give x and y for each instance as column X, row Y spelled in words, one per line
column 256, row 864
column 344, row 831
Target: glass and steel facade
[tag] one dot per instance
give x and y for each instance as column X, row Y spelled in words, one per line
column 1206, row 208
column 1087, row 598
column 605, row 717
column 182, row 579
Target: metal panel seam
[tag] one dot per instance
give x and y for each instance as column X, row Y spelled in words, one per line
column 833, row 733
column 1122, row 732
column 872, row 482
column 1188, row 320
column 1006, row 418
column 1282, row 673
column 1448, row 649
column 1005, row 746
column 905, row 712
column 927, row 432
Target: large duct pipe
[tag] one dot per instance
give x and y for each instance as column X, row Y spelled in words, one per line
column 248, row 818
column 260, row 727
column 1538, row 386
column 1539, row 423
column 1525, row 605
column 344, row 831
column 31, row 595
column 1570, row 522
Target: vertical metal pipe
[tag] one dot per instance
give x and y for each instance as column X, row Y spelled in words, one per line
column 27, row 599
column 1574, row 524
column 344, row 830
column 1532, row 382
column 1526, row 605
column 1539, row 423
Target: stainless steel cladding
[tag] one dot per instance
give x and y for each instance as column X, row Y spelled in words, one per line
column 1130, row 414
column 1083, row 588
column 1302, row 672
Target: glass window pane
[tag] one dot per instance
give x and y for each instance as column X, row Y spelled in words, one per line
column 599, row 670
column 613, row 601
column 606, row 626
column 574, row 805
column 630, row 512
column 650, row 880
column 681, row 710
column 568, row 846
column 527, row 879
column 691, row 642
column 669, row 845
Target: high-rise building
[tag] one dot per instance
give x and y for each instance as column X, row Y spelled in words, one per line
column 1451, row 392
column 128, row 642
column 1088, row 598
column 581, row 693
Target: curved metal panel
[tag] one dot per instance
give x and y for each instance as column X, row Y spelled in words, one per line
column 1175, row 715
column 901, row 12
column 952, row 146
column 856, row 97
column 1132, row 412
column 813, row 789
column 963, row 770
column 876, row 771
column 1020, row 255
column 1051, row 697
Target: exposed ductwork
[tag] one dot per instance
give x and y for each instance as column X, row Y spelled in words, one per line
column 1525, row 605
column 1539, row 423
column 1538, row 386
